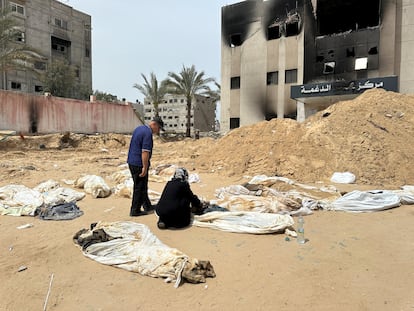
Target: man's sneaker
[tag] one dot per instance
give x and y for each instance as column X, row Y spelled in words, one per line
column 139, row 213
column 161, row 225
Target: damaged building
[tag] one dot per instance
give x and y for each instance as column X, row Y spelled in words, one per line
column 292, row 58
column 173, row 111
column 57, row 32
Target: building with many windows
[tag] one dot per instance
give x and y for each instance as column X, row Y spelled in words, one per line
column 173, row 111
column 58, row 32
column 292, row 58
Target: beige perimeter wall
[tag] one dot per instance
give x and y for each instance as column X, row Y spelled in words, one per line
column 38, row 114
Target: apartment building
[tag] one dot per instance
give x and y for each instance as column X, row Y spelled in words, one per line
column 58, row 32
column 292, row 58
column 173, row 111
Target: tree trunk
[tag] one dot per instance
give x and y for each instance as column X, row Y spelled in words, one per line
column 156, row 109
column 188, row 131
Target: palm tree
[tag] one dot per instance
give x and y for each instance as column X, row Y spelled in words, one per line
column 14, row 54
column 59, row 79
column 152, row 90
column 189, row 82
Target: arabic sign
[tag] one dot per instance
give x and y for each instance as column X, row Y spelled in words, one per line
column 343, row 88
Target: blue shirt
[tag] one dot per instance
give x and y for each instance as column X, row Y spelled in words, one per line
column 141, row 140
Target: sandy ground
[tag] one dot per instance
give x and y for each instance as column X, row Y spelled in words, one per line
column 352, row 261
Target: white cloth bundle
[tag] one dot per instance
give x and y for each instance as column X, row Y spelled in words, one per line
column 244, row 222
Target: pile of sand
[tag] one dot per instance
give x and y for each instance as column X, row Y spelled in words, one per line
column 370, row 137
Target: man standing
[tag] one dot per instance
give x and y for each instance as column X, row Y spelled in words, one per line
column 139, row 155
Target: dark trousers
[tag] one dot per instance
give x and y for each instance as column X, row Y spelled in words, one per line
column 177, row 214
column 140, row 191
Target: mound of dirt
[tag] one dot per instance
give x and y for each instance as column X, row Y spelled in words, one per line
column 370, row 136
column 65, row 141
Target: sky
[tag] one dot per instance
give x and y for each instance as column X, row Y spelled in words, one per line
column 134, row 37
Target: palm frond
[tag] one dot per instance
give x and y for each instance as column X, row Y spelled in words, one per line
column 152, row 90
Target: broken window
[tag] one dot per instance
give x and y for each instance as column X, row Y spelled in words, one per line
column 373, row 51
column 291, row 76
column 38, row 88
column 59, row 48
column 342, row 16
column 87, row 33
column 269, row 115
column 350, row 52
column 234, row 123
column 272, row 77
column 61, row 23
column 273, row 32
column 17, row 8
column 15, row 85
column 20, row 36
column 235, row 40
column 39, row 65
column 235, row 83
column 361, row 63
column 319, row 58
column 329, row 67
column 59, row 45
column 292, row 29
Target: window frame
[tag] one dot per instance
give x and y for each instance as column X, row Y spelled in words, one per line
column 60, row 23
column 14, row 85
column 272, row 78
column 14, row 7
column 235, row 83
column 288, row 78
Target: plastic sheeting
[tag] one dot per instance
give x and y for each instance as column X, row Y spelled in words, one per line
column 284, row 193
column 406, row 194
column 94, row 185
column 365, row 201
column 268, row 204
column 135, row 248
column 19, row 200
column 343, row 178
column 245, row 222
column 54, row 194
column 274, row 195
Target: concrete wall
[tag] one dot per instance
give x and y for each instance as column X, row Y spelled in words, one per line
column 253, row 75
column 39, row 114
column 405, row 44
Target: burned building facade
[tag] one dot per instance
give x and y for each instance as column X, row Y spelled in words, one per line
column 291, row 58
